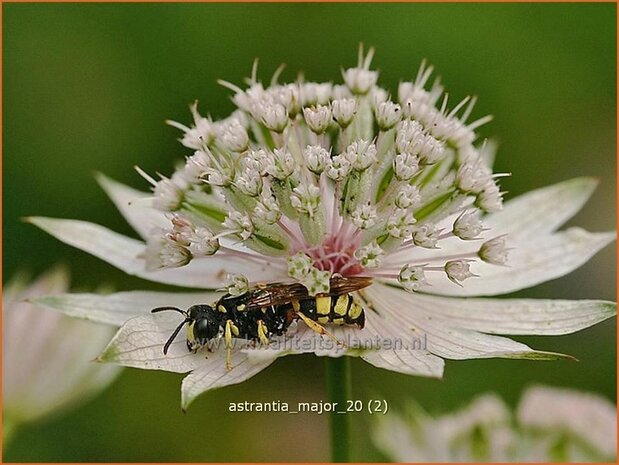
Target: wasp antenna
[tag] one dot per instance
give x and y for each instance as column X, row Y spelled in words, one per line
column 173, row 336
column 163, row 309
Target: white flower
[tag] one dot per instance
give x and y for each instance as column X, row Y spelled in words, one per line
column 343, row 111
column 361, row 80
column 316, row 158
column 361, row 154
column 387, row 115
column 200, row 134
column 317, row 118
column 468, row 225
column 47, row 357
column 458, row 270
column 551, row 425
column 398, row 210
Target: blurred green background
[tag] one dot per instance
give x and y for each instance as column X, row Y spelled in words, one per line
column 87, row 88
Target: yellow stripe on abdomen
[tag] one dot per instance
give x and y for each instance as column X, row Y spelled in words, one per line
column 323, row 305
column 341, row 305
column 355, row 311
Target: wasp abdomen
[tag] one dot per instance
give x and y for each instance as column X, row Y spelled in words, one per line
column 339, row 310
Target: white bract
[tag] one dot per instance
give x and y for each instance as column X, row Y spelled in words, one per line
column 551, row 425
column 47, row 357
column 413, row 205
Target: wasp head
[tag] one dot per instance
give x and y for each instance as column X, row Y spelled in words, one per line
column 203, row 325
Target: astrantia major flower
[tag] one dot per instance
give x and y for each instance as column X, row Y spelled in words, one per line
column 549, row 425
column 46, row 356
column 306, row 181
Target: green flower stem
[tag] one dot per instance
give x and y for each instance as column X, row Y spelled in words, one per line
column 339, row 390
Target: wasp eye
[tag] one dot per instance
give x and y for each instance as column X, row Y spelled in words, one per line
column 204, row 330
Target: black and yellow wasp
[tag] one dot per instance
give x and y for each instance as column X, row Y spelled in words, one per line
column 267, row 310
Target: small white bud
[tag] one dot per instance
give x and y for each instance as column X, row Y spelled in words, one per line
column 258, row 160
column 387, row 115
column 490, row 199
column 408, row 197
column 267, row 209
column 282, row 165
column 313, row 93
column 164, row 252
column 411, row 278
column 306, row 199
column 400, row 224
column 378, row 96
column 275, row 117
column 168, row 196
column 360, row 80
column 458, row 270
column 426, row 236
column 240, row 224
column 249, row 182
column 431, row 150
column 196, row 166
column 472, row 177
column 361, row 154
column 468, row 225
column 236, row 284
column 409, row 136
column 494, row 251
column 405, row 166
column 217, row 177
column 317, row 118
column 364, row 216
column 338, row 167
column 299, row 265
column 200, row 134
column 343, row 111
column 316, row 158
column 339, row 92
column 233, row 135
column 369, row 256
column 203, row 242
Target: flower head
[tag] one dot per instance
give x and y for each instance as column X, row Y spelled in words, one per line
column 33, row 339
column 551, row 425
column 344, row 182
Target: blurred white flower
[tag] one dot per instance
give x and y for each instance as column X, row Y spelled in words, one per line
column 47, row 357
column 413, row 205
column 551, row 425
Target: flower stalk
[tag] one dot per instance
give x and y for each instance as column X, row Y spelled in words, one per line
column 337, row 371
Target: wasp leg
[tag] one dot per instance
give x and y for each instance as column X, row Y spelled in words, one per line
column 262, row 333
column 317, row 327
column 229, row 331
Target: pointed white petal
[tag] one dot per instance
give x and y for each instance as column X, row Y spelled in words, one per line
column 123, row 252
column 139, row 344
column 529, row 264
column 215, row 375
column 115, row 309
column 407, row 362
column 513, row 316
column 409, row 353
column 543, row 210
column 134, row 206
column 444, row 338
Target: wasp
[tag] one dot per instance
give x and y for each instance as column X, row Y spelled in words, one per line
column 267, row 310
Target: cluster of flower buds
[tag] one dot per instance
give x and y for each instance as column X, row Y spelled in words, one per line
column 341, row 174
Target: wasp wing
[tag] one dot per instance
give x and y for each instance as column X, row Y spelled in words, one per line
column 282, row 293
